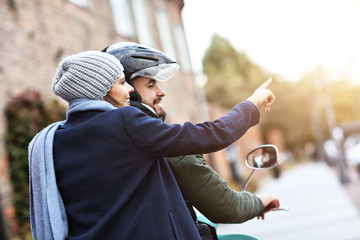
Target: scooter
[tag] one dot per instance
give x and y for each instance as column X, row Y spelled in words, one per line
column 262, row 157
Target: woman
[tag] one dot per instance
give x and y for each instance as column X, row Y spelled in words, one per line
column 112, row 181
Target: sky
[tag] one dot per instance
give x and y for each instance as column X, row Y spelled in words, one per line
column 287, row 38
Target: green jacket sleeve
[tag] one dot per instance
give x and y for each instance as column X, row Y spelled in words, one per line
column 210, row 194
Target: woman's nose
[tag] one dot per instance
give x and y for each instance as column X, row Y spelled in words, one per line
column 130, row 88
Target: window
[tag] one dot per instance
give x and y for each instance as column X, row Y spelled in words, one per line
column 165, row 32
column 122, row 18
column 142, row 20
column 182, row 48
column 81, row 3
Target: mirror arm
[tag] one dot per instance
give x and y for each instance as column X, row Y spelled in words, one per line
column 247, row 180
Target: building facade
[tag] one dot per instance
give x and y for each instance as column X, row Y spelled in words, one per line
column 37, row 34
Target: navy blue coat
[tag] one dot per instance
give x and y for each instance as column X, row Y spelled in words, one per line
column 114, row 180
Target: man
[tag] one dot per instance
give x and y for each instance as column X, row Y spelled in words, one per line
column 199, row 183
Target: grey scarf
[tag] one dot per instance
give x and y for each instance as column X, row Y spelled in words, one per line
column 47, row 211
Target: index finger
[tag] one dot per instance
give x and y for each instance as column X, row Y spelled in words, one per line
column 266, row 84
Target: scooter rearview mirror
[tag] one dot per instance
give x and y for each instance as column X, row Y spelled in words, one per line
column 262, row 157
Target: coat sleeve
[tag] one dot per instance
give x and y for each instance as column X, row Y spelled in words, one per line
column 210, row 194
column 155, row 138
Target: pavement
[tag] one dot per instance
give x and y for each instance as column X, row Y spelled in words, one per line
column 320, row 207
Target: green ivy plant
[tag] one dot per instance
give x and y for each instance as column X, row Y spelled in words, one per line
column 26, row 114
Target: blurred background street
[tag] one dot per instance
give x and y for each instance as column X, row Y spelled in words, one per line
column 320, row 207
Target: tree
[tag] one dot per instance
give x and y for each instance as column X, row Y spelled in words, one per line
column 231, row 75
column 346, row 100
column 299, row 110
column 291, row 113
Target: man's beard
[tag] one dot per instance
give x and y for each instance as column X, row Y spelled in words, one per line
column 161, row 114
column 159, row 109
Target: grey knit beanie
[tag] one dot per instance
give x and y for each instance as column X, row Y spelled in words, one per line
column 86, row 75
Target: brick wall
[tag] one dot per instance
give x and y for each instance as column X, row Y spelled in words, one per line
column 36, row 34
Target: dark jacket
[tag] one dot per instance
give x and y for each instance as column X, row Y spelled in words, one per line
column 113, row 178
column 210, row 194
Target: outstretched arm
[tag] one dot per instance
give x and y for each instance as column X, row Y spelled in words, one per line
column 158, row 139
